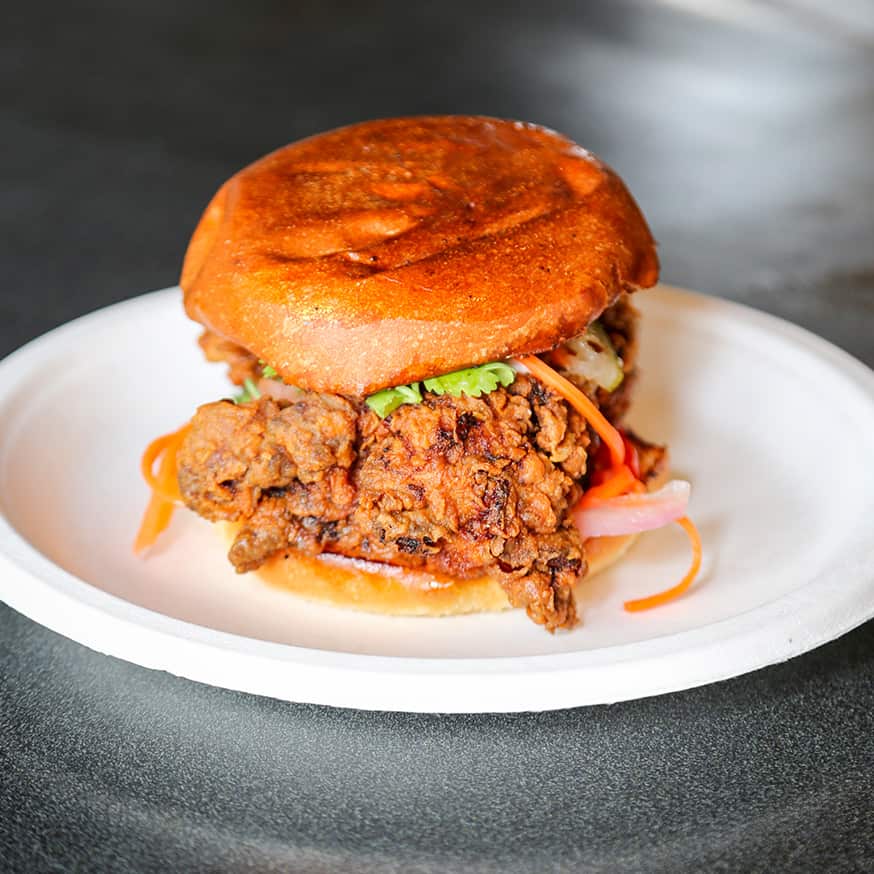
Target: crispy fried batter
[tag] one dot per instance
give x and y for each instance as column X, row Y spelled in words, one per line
column 456, row 485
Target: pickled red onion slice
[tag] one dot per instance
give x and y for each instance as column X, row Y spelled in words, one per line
column 630, row 514
column 278, row 390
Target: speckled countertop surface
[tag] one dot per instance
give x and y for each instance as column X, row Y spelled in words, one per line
column 746, row 133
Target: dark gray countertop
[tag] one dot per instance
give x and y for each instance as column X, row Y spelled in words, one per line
column 746, row 133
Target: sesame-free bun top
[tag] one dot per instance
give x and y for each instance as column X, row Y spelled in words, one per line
column 394, row 250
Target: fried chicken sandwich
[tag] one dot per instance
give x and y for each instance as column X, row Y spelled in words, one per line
column 430, row 323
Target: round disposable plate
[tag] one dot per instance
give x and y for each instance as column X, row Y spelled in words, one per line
column 773, row 426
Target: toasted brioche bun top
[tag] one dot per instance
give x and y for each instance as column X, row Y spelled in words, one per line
column 390, row 251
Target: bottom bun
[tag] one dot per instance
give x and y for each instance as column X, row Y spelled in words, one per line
column 375, row 587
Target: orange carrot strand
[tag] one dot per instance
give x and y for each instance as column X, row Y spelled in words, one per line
column 155, row 520
column 157, row 516
column 578, row 400
column 147, row 463
column 619, row 481
column 674, row 592
column 165, row 487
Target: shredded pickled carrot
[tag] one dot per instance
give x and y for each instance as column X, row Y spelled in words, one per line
column 165, row 488
column 147, row 463
column 675, row 591
column 632, row 457
column 618, row 481
column 155, row 520
column 578, row 400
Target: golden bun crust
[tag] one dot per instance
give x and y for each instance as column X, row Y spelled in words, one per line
column 393, row 250
column 377, row 588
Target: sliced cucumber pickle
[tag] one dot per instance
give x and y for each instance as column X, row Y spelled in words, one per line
column 594, row 359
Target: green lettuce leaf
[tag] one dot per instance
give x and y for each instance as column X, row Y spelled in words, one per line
column 473, row 381
column 389, row 399
column 250, row 390
column 249, row 393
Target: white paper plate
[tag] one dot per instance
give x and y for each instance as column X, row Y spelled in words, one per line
column 774, row 426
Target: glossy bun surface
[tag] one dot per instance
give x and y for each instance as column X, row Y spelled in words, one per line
column 393, row 250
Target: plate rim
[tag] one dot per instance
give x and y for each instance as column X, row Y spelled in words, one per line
column 394, row 683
